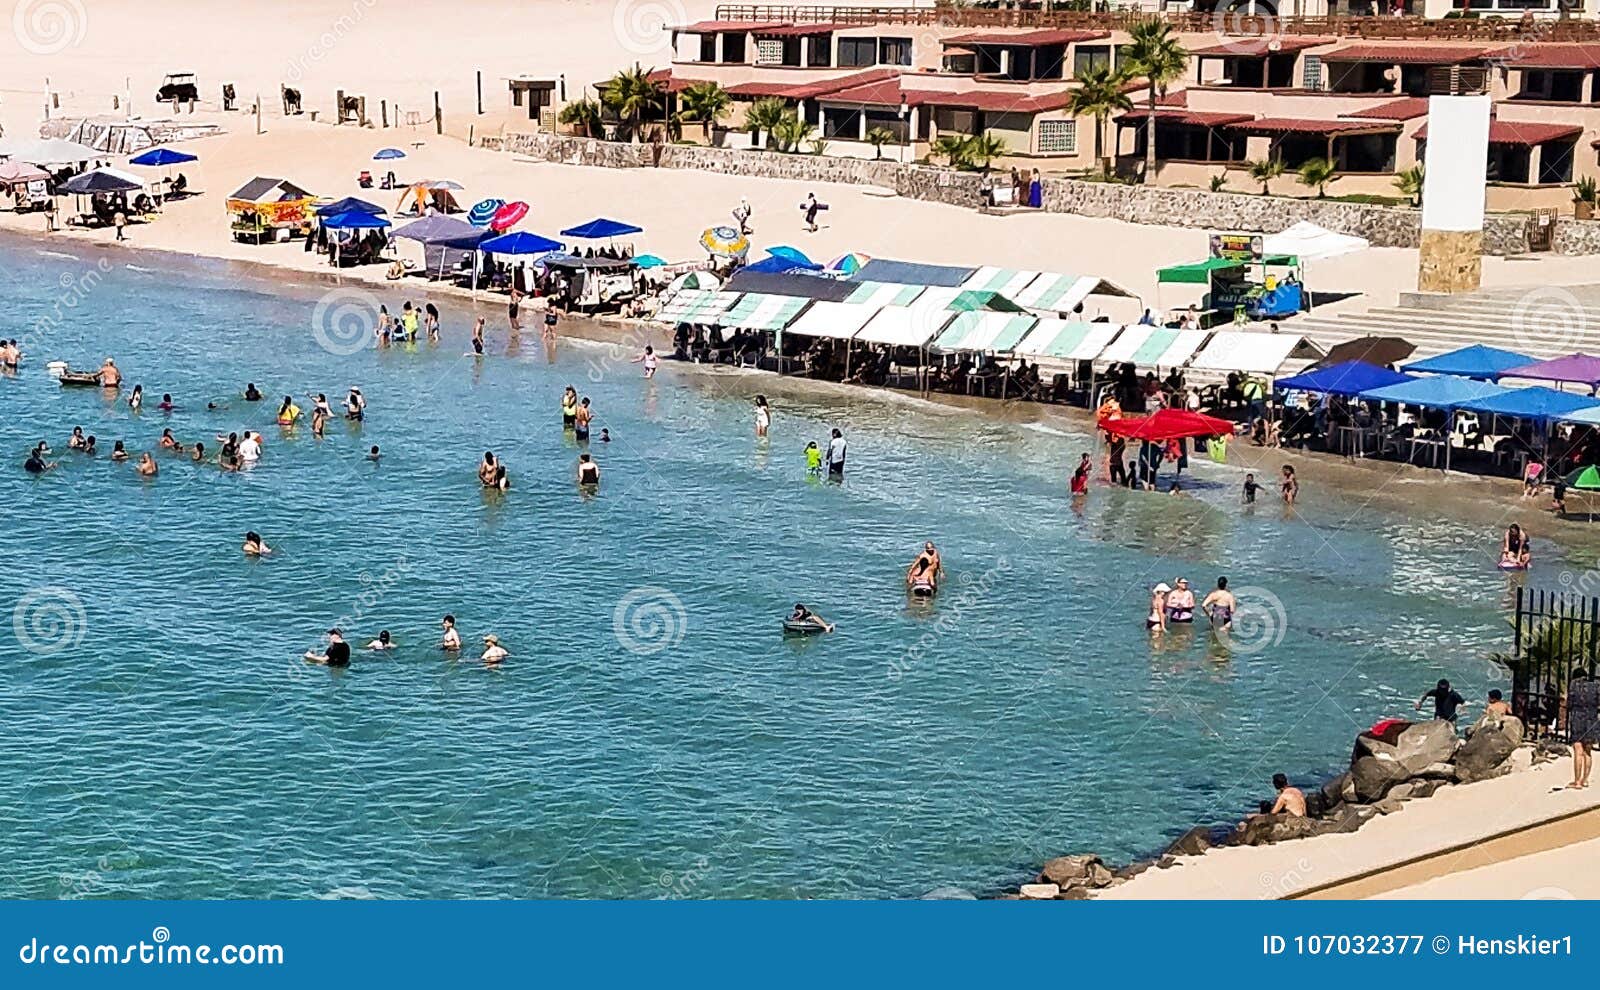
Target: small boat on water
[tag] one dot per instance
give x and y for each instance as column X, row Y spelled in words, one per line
column 69, row 378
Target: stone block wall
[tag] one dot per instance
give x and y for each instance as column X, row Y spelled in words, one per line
column 1384, row 226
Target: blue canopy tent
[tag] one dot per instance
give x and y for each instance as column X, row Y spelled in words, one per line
column 353, row 220
column 163, row 156
column 521, row 242
column 773, row 265
column 1536, row 403
column 1478, row 361
column 601, row 229
column 350, row 204
column 1345, row 378
column 1443, row 392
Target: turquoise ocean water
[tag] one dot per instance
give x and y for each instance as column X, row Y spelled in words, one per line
column 653, row 734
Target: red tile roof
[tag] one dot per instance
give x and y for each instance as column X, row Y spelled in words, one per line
column 889, row 93
column 1522, row 132
column 712, row 27
column 1303, row 125
column 1409, row 54
column 822, row 87
column 1551, row 56
column 798, row 30
column 1027, row 39
column 1178, row 115
column 1261, row 47
column 1409, row 108
column 1178, row 99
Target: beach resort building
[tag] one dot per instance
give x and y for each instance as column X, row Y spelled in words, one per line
column 889, row 82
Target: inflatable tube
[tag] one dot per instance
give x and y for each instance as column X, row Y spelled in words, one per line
column 924, row 589
column 806, row 628
column 1506, row 565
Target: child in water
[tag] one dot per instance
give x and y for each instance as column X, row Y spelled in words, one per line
column 813, row 458
column 1250, row 488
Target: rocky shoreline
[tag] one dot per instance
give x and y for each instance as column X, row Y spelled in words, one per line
column 1400, row 762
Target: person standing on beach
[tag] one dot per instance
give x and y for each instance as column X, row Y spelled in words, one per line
column 1583, row 724
column 741, row 215
column 121, row 221
column 836, row 453
column 513, row 307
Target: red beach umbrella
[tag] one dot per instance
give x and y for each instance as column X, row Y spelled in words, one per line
column 1168, row 424
column 508, row 215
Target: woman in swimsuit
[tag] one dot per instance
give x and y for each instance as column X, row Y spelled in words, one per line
column 648, row 359
column 254, row 545
column 1220, row 605
column 75, row 442
column 763, row 416
column 1180, row 603
column 288, row 413
column 355, row 405
column 1515, row 552
column 511, row 309
column 1289, row 486
column 431, row 321
column 588, row 471
column 136, row 400
column 1156, row 621
column 569, row 408
column 169, row 442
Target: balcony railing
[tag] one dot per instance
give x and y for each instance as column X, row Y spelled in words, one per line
column 1488, row 29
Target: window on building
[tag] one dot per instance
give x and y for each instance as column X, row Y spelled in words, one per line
column 1058, row 137
column 857, row 52
column 1049, row 62
column 1565, row 86
column 1372, row 153
column 821, row 51
column 733, row 47
column 769, row 51
column 894, row 51
column 1090, row 57
column 891, row 122
column 708, row 48
column 1555, row 161
column 1508, row 163
column 842, row 123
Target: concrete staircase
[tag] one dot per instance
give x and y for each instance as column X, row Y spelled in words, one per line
column 1544, row 322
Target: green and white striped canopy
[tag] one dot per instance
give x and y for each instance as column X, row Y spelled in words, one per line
column 1148, row 346
column 696, row 306
column 760, row 311
column 1068, row 340
column 984, row 331
column 884, row 294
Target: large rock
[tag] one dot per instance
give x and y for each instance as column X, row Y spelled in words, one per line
column 1333, row 790
column 1422, row 787
column 1191, row 843
column 1374, row 775
column 1489, row 748
column 1067, row 871
column 1415, row 746
column 1040, row 891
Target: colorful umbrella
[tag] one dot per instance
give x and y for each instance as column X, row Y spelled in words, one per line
column 725, row 242
column 483, row 211
column 508, row 215
column 1585, row 479
column 1168, row 424
column 849, row 264
column 695, row 280
column 792, row 254
column 388, row 153
column 649, row 261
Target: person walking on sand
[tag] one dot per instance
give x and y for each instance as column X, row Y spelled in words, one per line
column 1583, row 724
column 810, row 208
column 121, row 221
column 741, row 215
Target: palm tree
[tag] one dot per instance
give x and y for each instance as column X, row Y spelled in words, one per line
column 1156, row 55
column 953, row 147
column 1099, row 95
column 706, row 102
column 1316, row 173
column 630, row 95
column 1264, row 171
column 582, row 114
column 878, row 137
column 1409, row 183
column 983, row 149
column 764, row 116
column 791, row 132
column 1219, row 182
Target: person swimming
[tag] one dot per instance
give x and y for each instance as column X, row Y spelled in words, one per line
column 76, row 441
column 383, row 642
column 1180, row 602
column 166, row 403
column 452, row 638
column 118, row 451
column 486, row 469
column 251, row 393
column 1220, row 605
column 355, row 405
column 588, row 470
column 926, row 569
column 605, row 435
column 374, row 454
column 254, row 545
column 1516, row 553
column 802, row 616
column 199, row 451
column 147, row 466
column 169, row 442
column 136, row 399
column 493, row 652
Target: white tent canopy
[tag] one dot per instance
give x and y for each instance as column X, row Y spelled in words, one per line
column 877, row 294
column 49, row 151
column 1148, row 346
column 1066, row 340
column 904, row 326
column 1053, row 292
column 1253, row 352
column 1308, row 242
column 839, row 320
column 1006, row 281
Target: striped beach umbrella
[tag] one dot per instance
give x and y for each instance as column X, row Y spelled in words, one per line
column 483, row 211
column 849, row 264
column 508, row 215
column 1585, row 479
column 725, row 242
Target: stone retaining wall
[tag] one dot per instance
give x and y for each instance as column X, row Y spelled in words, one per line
column 1384, row 226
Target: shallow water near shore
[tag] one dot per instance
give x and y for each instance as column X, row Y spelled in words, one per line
column 652, row 734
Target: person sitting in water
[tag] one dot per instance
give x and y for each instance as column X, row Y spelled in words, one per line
column 1220, row 605
column 1515, row 554
column 1156, row 621
column 1180, row 602
column 147, row 467
column 251, row 393
column 373, row 454
column 338, row 652
column 166, row 404
column 254, row 545
column 75, row 442
column 118, row 451
column 493, row 652
column 588, row 470
column 383, row 642
column 925, row 569
column 451, row 639
column 88, row 445
column 605, row 435
column 804, row 616
column 199, row 452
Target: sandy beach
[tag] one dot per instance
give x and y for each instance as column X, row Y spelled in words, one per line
column 406, row 54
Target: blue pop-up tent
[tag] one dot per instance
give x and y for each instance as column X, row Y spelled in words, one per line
column 163, row 156
column 521, row 242
column 601, row 229
column 1345, row 378
column 773, row 265
column 350, row 204
column 1443, row 392
column 353, row 220
column 1478, row 361
column 1536, row 403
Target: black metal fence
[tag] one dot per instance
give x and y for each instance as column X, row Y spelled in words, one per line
column 1557, row 638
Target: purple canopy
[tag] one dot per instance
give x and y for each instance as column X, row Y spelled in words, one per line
column 1580, row 367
